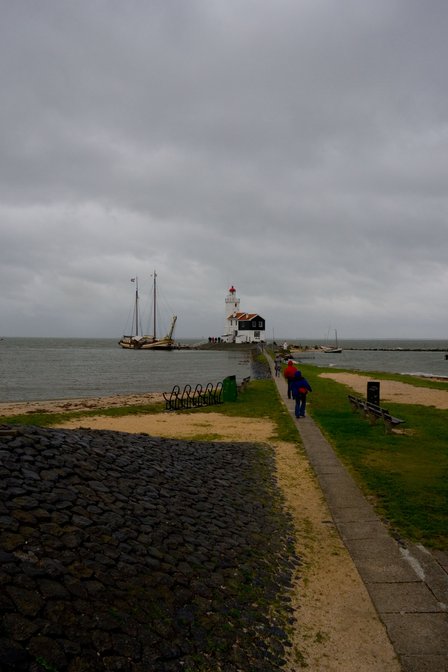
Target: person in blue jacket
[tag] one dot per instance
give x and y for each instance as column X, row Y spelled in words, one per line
column 299, row 389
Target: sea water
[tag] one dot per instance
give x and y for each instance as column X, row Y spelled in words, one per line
column 33, row 369
column 414, row 357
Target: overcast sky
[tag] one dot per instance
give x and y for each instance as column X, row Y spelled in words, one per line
column 297, row 149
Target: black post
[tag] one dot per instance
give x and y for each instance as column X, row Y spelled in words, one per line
column 373, row 392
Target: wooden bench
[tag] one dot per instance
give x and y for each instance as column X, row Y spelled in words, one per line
column 374, row 412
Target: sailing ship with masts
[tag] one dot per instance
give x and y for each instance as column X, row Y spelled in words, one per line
column 138, row 341
column 332, row 349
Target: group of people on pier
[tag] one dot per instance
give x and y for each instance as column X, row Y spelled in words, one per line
column 298, row 386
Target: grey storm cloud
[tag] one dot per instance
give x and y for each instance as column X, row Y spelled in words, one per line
column 296, row 149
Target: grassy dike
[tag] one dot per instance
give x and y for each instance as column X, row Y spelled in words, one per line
column 404, row 474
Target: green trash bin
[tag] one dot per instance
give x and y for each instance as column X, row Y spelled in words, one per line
column 229, row 389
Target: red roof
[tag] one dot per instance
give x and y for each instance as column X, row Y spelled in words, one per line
column 245, row 316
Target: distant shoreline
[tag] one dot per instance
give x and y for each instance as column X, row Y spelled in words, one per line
column 295, row 348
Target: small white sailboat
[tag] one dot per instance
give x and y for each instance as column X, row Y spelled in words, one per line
column 332, row 349
column 142, row 342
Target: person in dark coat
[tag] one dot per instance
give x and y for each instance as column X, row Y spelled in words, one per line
column 299, row 389
column 289, row 373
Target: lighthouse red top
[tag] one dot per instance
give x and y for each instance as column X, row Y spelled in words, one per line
column 232, row 290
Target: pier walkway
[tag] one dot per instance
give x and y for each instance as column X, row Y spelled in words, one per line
column 407, row 585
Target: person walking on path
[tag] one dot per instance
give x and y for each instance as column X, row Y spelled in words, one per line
column 289, row 373
column 277, row 363
column 299, row 389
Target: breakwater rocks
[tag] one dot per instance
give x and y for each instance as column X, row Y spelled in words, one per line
column 260, row 368
column 134, row 553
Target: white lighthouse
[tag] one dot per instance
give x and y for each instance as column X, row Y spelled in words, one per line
column 232, row 307
column 232, row 302
column 241, row 327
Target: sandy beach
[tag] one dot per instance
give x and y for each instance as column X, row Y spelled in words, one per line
column 86, row 404
column 337, row 628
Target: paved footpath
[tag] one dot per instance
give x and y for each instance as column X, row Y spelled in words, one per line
column 407, row 585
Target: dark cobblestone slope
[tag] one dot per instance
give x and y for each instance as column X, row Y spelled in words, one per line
column 128, row 552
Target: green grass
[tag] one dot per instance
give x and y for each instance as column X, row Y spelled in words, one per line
column 406, row 474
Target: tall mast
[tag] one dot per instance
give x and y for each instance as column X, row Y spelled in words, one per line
column 154, row 306
column 136, row 304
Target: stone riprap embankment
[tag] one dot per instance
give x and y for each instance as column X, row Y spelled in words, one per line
column 129, row 552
